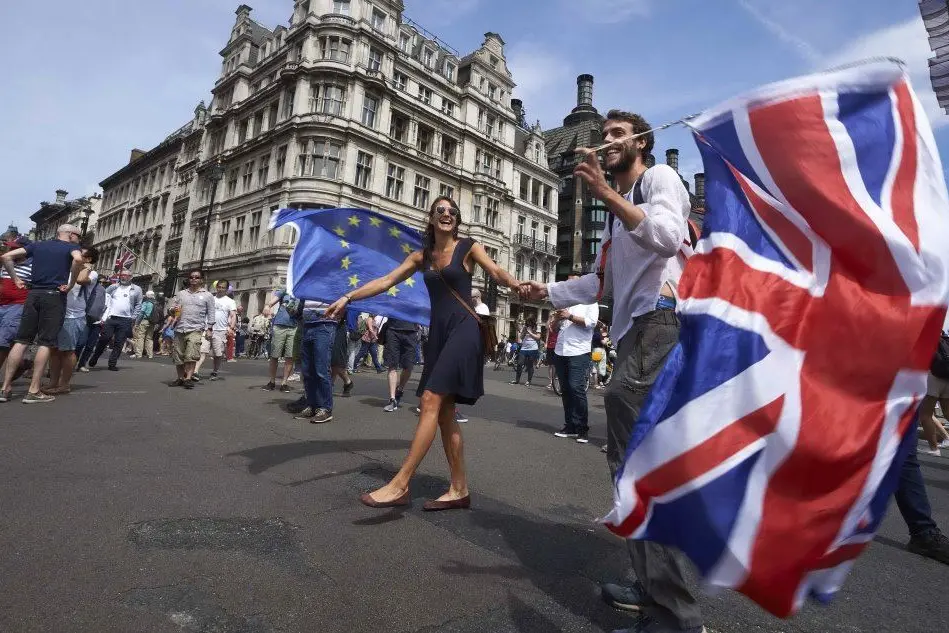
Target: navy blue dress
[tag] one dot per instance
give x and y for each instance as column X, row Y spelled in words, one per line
column 454, row 360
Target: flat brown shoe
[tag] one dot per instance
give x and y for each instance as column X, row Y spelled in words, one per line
column 454, row 504
column 404, row 500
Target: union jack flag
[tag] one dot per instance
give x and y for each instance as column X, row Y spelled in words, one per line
column 771, row 442
column 125, row 259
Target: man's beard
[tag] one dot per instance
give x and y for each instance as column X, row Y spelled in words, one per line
column 625, row 163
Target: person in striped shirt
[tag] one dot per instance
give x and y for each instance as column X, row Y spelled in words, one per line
column 12, row 298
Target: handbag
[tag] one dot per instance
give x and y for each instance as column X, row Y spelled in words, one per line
column 489, row 337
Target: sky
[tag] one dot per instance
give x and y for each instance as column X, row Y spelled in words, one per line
column 88, row 81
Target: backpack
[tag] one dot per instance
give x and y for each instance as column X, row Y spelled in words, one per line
column 154, row 316
column 940, row 364
column 95, row 303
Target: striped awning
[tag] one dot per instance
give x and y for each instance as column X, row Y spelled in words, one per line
column 936, row 18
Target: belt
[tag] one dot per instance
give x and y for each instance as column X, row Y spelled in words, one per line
column 665, row 303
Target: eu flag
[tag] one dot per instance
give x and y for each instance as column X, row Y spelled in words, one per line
column 341, row 249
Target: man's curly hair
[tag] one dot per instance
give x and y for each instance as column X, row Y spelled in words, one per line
column 639, row 126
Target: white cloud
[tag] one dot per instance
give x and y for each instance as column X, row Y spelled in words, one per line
column 804, row 48
column 606, row 11
column 540, row 75
column 907, row 41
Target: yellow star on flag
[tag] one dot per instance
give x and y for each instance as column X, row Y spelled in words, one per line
column 393, row 291
column 344, row 243
column 353, row 281
column 374, row 221
column 410, row 282
column 394, row 231
column 406, row 248
column 354, row 221
column 345, row 263
column 340, row 231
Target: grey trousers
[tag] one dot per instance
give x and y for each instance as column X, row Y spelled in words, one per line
column 639, row 358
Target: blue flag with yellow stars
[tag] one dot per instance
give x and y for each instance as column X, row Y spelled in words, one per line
column 341, row 249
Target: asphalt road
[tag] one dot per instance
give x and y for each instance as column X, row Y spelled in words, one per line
column 129, row 506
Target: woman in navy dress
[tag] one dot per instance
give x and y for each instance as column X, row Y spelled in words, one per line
column 454, row 358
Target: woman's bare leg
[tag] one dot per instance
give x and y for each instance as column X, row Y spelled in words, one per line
column 927, row 420
column 454, row 451
column 431, row 406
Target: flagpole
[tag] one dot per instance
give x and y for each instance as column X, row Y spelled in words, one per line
column 141, row 259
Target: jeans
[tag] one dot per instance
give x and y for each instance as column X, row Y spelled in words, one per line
column 352, row 349
column 120, row 328
column 92, row 338
column 240, row 343
column 317, row 353
column 573, row 373
column 526, row 359
column 912, row 500
column 372, row 349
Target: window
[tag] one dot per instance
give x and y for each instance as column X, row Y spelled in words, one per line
column 425, row 139
column 247, row 177
column 533, row 268
column 546, row 235
column 222, row 238
column 258, row 123
column 400, row 80
column 242, row 131
column 263, row 170
column 492, row 213
column 227, row 97
column 341, row 6
column 399, row 128
column 519, row 266
column 405, row 42
column 239, row 232
column 490, row 123
column 476, row 208
column 232, row 183
column 545, row 273
column 425, row 94
column 289, row 95
column 379, row 20
column 375, row 59
column 335, row 49
column 370, row 105
column 535, row 192
column 320, row 158
column 363, row 170
column 255, row 228
column 524, row 188
column 450, row 70
column 448, row 107
column 546, row 200
column 428, row 57
column 395, row 181
column 281, row 160
column 492, row 91
column 534, row 227
column 327, row 98
column 296, row 54
column 449, row 149
column 422, row 187
column 272, row 117
column 446, row 190
column 521, row 223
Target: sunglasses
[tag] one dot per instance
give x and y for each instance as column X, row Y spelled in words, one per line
column 452, row 211
column 195, row 277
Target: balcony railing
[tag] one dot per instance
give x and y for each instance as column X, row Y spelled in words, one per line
column 337, row 18
column 540, row 246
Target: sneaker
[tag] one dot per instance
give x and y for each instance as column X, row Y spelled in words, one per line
column 37, row 398
column 213, row 376
column 603, row 448
column 178, row 383
column 527, row 384
column 398, row 396
column 270, row 386
column 392, row 406
column 565, row 432
column 92, row 363
column 625, row 598
column 296, row 407
column 113, row 368
column 645, row 624
column 196, row 378
column 306, row 414
column 294, row 377
column 935, row 452
column 934, row 545
column 189, row 384
column 133, row 356
column 417, row 410
column 83, row 370
column 6, row 396
column 514, row 382
column 285, row 388
column 348, row 389
column 582, row 438
column 944, row 443
column 460, row 417
column 321, row 416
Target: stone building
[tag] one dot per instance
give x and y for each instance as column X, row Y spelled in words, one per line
column 82, row 212
column 351, row 105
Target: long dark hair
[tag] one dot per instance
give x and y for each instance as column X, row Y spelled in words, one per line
column 429, row 241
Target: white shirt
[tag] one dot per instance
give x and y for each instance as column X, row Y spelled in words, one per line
column 223, row 306
column 76, row 298
column 122, row 302
column 574, row 339
column 641, row 260
column 483, row 309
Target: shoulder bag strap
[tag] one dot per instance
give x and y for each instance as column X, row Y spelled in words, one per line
column 456, row 295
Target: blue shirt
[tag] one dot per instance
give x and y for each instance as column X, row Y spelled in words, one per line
column 52, row 260
column 352, row 320
column 288, row 305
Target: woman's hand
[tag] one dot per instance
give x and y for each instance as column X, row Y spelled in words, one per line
column 335, row 311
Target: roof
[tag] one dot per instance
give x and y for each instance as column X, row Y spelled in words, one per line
column 585, row 133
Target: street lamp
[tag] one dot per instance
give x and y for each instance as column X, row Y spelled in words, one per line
column 215, row 174
column 86, row 212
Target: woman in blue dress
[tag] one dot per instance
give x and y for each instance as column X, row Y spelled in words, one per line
column 454, row 354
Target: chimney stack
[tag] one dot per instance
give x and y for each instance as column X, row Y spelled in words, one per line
column 61, row 196
column 672, row 158
column 585, row 91
column 518, row 106
column 135, row 154
column 243, row 11
column 700, row 186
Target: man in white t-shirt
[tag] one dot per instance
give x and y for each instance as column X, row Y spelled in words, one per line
column 225, row 324
column 571, row 360
column 72, row 336
column 480, row 307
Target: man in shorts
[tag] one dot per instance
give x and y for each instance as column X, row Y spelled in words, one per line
column 284, row 339
column 75, row 327
column 225, row 325
column 55, row 263
column 11, row 297
column 399, row 353
column 195, row 308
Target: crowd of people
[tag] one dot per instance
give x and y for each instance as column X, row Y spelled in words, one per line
column 51, row 297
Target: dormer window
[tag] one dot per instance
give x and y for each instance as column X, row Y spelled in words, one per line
column 379, row 20
column 405, row 42
column 450, row 70
column 428, row 57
